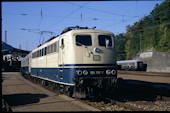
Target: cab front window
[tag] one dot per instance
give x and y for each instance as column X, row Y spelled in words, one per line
column 83, row 40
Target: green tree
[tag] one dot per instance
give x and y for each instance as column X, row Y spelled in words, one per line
column 153, row 29
column 120, row 44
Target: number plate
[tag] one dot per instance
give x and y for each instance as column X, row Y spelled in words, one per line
column 96, row 72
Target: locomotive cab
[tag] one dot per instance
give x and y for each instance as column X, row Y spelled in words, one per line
column 90, row 58
column 90, row 52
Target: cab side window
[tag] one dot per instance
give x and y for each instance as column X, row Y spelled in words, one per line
column 105, row 40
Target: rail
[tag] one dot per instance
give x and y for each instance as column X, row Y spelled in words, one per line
column 124, row 105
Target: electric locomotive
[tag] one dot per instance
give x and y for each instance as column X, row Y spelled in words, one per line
column 80, row 61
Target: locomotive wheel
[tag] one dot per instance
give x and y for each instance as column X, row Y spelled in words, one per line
column 63, row 89
column 50, row 85
column 35, row 80
column 89, row 92
column 57, row 88
column 26, row 76
column 70, row 91
column 39, row 80
column 54, row 86
column 29, row 77
column 44, row 83
column 78, row 93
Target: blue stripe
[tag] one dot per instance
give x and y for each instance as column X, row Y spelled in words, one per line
column 55, row 74
column 68, row 73
column 88, row 65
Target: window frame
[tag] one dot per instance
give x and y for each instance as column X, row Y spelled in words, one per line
column 79, row 45
column 111, row 38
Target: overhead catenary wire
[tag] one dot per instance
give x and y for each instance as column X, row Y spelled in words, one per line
column 41, row 32
column 45, row 32
column 40, row 20
column 123, row 20
column 55, row 16
column 110, row 25
column 108, row 12
column 41, row 17
column 67, row 16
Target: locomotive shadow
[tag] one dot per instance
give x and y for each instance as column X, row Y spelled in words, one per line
column 23, row 99
column 135, row 90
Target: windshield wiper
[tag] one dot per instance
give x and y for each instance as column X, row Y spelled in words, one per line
column 81, row 44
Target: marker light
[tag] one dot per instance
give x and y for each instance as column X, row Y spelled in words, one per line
column 113, row 72
column 79, row 72
column 85, row 72
column 108, row 72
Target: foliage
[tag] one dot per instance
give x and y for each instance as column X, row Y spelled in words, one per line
column 152, row 31
column 120, row 44
column 120, row 41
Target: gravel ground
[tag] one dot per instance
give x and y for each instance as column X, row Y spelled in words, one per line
column 158, row 105
column 107, row 106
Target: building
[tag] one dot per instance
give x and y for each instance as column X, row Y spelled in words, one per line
column 156, row 61
column 11, row 57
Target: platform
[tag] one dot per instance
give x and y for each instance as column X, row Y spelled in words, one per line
column 23, row 95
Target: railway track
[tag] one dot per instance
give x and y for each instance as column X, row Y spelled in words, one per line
column 149, row 89
column 135, row 97
column 144, row 73
column 130, row 101
column 107, row 104
column 124, row 105
column 125, row 99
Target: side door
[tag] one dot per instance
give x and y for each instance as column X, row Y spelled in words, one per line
column 29, row 63
column 61, row 57
column 61, row 52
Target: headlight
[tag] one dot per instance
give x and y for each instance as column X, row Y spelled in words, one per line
column 113, row 72
column 85, row 72
column 108, row 72
column 97, row 50
column 79, row 72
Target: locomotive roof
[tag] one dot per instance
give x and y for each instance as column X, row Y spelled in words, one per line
column 75, row 31
column 90, row 31
column 78, row 31
column 26, row 57
column 77, row 28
